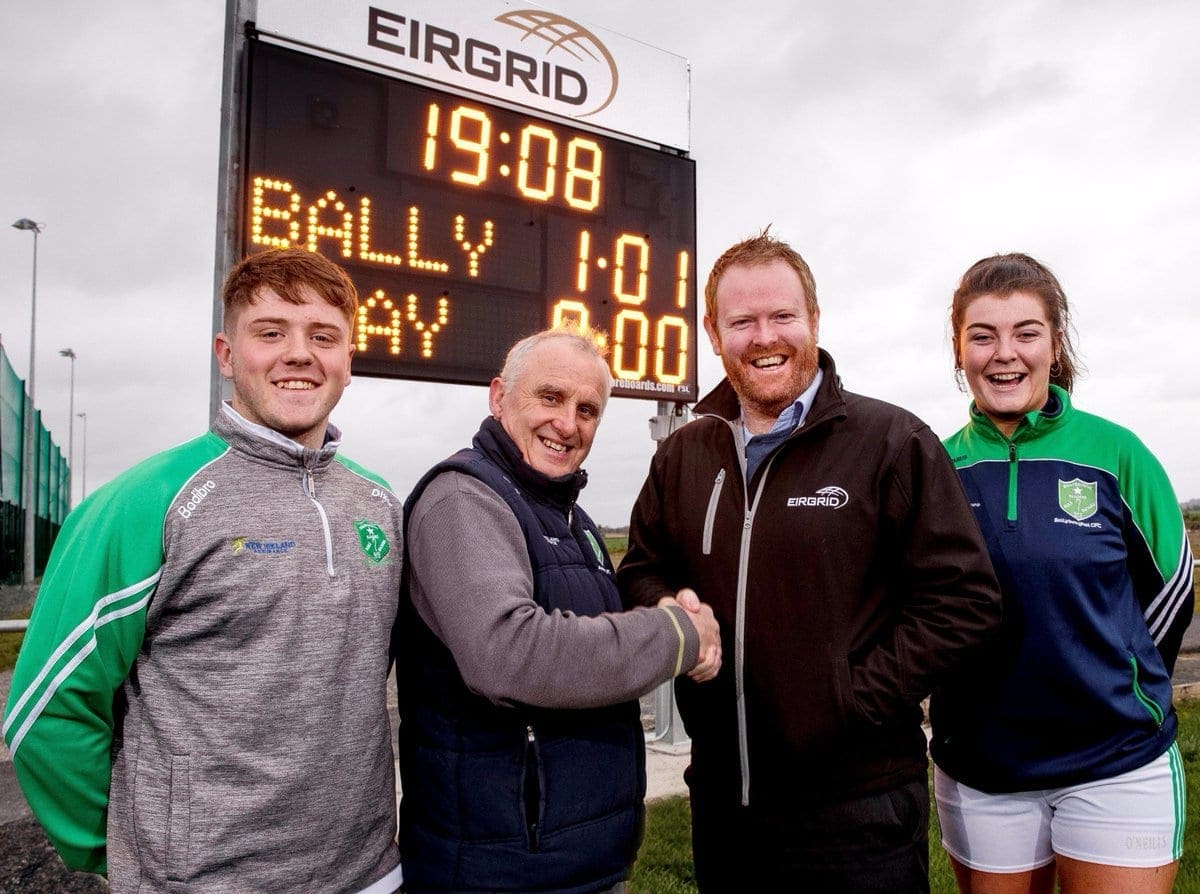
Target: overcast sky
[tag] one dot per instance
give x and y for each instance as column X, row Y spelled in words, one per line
column 893, row 144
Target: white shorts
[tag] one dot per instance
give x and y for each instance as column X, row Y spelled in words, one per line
column 1135, row 819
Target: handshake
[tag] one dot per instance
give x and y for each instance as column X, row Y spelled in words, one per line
column 702, row 618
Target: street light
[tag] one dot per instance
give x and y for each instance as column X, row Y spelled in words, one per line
column 83, row 495
column 27, row 461
column 67, row 352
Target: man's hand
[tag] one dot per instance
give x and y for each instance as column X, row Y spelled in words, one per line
column 701, row 616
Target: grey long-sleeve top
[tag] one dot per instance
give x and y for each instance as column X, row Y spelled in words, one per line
column 472, row 583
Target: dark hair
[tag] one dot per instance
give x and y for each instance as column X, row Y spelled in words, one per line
column 755, row 251
column 286, row 271
column 1002, row 275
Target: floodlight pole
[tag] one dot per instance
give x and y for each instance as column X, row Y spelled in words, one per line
column 67, row 352
column 27, row 460
column 83, row 453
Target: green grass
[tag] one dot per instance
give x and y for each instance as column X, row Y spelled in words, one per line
column 617, row 544
column 10, row 644
column 664, row 864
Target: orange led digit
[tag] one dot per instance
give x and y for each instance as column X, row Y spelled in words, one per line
column 681, row 281
column 643, row 265
column 568, row 310
column 585, row 253
column 679, row 324
column 431, row 133
column 478, row 146
column 620, row 346
column 589, row 175
column 550, row 160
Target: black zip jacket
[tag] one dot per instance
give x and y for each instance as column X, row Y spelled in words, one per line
column 848, row 576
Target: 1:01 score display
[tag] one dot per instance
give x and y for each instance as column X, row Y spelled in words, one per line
column 467, row 226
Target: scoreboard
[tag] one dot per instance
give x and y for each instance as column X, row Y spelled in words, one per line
column 467, row 225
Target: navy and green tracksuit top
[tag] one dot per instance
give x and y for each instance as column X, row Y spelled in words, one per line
column 1089, row 545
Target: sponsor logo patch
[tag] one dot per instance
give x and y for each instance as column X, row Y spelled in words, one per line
column 830, row 497
column 371, row 540
column 262, row 547
column 1077, row 498
column 599, row 553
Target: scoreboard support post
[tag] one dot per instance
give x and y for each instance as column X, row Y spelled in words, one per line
column 229, row 196
column 668, row 725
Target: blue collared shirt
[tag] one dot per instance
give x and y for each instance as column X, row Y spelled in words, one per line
column 758, row 446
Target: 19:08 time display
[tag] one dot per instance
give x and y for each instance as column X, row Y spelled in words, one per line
column 467, row 226
column 470, row 133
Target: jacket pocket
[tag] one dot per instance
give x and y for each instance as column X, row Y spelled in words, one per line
column 1152, row 707
column 849, row 713
column 179, row 818
column 531, row 789
column 710, row 516
column 161, row 813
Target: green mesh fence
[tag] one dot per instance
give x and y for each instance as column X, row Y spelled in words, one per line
column 52, row 479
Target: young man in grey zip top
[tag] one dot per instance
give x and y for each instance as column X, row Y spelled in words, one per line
column 200, row 702
column 831, row 536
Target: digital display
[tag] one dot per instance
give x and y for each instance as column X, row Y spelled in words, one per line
column 467, row 226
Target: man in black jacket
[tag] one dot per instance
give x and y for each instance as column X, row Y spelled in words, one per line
column 831, row 535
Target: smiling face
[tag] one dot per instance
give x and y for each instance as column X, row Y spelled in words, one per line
column 762, row 331
column 552, row 408
column 289, row 362
column 1006, row 347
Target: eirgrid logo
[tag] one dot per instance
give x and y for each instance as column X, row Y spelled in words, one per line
column 562, row 36
column 555, row 58
column 830, row 497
